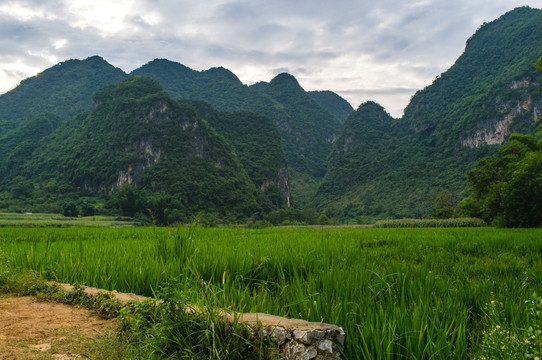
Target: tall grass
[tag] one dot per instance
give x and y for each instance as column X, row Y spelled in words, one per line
column 398, row 293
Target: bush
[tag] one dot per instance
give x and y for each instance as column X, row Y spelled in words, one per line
column 69, row 209
column 87, row 209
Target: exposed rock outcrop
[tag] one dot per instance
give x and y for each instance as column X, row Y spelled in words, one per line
column 495, row 131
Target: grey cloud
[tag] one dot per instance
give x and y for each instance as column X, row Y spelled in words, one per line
column 389, row 91
column 332, row 45
column 235, row 11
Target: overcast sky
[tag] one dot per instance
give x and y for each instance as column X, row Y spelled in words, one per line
column 362, row 49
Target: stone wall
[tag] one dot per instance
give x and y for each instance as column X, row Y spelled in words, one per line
column 296, row 339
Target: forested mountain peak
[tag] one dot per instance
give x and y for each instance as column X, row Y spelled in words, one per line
column 285, row 82
column 307, row 129
column 63, row 90
column 368, row 124
column 166, row 64
column 491, row 31
column 477, row 93
column 372, row 112
column 223, row 74
column 132, row 88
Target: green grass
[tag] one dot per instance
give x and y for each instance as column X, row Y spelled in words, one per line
column 398, row 293
column 57, row 220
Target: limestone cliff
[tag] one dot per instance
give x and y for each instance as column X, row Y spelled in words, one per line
column 524, row 107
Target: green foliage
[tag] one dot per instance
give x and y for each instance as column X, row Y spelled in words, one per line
column 44, row 220
column 257, row 143
column 130, row 201
column 503, row 341
column 87, row 207
column 21, row 187
column 424, row 223
column 69, row 209
column 376, row 169
column 18, row 145
column 446, row 205
column 506, row 189
column 293, row 216
column 170, row 329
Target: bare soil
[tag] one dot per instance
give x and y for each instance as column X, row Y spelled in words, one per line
column 34, row 329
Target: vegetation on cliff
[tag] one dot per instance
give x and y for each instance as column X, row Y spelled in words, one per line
column 257, row 143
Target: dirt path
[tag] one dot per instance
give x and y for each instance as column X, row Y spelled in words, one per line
column 33, row 329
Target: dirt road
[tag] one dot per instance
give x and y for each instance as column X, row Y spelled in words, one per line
column 33, row 329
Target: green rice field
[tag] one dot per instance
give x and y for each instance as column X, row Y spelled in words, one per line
column 427, row 293
column 57, row 220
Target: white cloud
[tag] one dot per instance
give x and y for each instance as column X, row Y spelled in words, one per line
column 59, row 44
column 13, row 69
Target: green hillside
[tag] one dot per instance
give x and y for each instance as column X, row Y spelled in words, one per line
column 138, row 142
column 375, row 169
column 257, row 143
column 18, row 144
column 493, row 81
column 218, row 86
column 403, row 169
column 307, row 129
column 36, row 107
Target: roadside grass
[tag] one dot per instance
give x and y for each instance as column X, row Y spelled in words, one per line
column 417, row 293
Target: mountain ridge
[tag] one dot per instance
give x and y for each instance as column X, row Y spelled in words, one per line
column 366, row 166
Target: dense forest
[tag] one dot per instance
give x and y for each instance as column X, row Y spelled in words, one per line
column 166, row 142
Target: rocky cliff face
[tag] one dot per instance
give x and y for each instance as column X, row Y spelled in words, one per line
column 131, row 175
column 525, row 107
column 282, row 183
